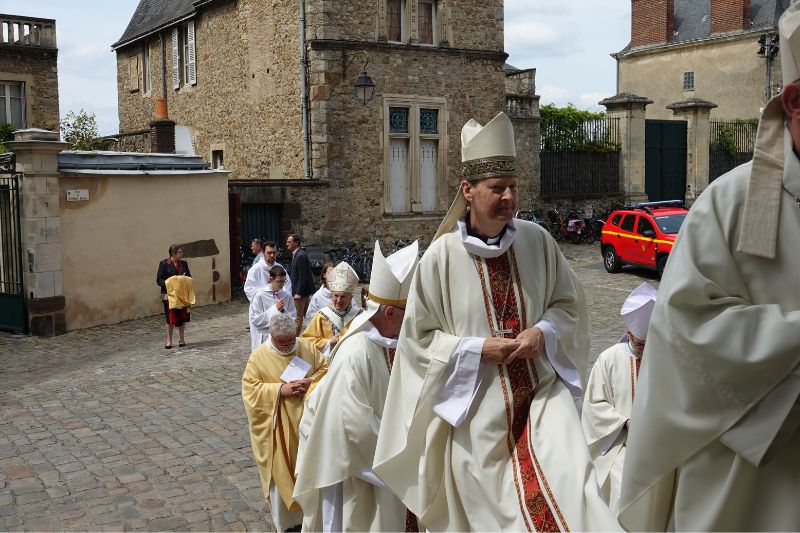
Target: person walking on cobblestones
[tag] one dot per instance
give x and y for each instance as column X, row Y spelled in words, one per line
column 174, row 265
column 273, row 393
column 301, row 277
column 268, row 302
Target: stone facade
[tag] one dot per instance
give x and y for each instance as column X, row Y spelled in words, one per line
column 32, row 61
column 246, row 103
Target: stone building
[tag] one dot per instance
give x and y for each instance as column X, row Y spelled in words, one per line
column 28, row 72
column 232, row 71
column 707, row 49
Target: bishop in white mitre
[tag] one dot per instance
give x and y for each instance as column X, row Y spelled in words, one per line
column 610, row 393
column 336, row 486
column 480, row 430
column 715, row 438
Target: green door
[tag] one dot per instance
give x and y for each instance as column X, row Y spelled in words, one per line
column 12, row 297
column 665, row 160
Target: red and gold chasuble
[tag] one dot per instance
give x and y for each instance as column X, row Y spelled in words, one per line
column 635, row 364
column 505, row 310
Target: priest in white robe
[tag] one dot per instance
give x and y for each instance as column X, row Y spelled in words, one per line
column 258, row 275
column 336, row 486
column 610, row 393
column 714, row 443
column 480, row 430
column 267, row 302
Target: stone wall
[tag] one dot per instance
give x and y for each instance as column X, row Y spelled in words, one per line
column 37, row 68
column 727, row 72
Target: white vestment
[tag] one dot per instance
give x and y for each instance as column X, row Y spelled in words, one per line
column 258, row 278
column 262, row 308
column 320, row 300
column 606, row 408
column 515, row 458
column 338, row 437
column 714, row 443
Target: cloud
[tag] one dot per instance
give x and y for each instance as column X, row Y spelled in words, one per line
column 516, row 8
column 552, row 94
column 589, row 101
column 529, row 39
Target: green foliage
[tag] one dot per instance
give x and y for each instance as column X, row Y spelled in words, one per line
column 568, row 129
column 6, row 134
column 80, row 130
column 726, row 140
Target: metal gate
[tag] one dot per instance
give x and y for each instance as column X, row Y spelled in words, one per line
column 12, row 297
column 665, row 160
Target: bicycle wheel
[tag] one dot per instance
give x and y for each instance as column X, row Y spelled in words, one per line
column 589, row 235
column 557, row 231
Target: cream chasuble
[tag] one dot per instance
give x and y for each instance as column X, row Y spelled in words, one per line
column 519, row 460
column 715, row 441
column 606, row 407
column 340, row 441
column 274, row 420
column 327, row 323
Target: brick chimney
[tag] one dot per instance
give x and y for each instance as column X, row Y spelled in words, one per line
column 652, row 22
column 162, row 130
column 730, row 15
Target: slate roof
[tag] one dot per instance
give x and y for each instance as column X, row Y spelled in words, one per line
column 693, row 18
column 152, row 15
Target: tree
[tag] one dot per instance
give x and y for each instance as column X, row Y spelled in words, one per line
column 6, row 134
column 80, row 130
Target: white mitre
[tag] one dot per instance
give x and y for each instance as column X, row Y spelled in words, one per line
column 342, row 278
column 759, row 233
column 638, row 308
column 486, row 152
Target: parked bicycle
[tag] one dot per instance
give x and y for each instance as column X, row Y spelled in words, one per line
column 535, row 217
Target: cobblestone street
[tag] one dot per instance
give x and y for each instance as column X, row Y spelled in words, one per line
column 104, row 429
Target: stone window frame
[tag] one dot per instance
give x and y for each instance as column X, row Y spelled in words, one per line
column 5, row 100
column 688, row 80
column 213, row 150
column 441, row 32
column 415, row 103
column 133, row 73
column 147, row 69
column 27, row 82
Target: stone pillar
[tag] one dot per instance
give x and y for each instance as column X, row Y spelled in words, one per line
column 37, row 158
column 696, row 113
column 631, row 111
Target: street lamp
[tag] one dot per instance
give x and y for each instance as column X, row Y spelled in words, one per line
column 365, row 86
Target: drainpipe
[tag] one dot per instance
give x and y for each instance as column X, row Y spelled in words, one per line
column 304, row 93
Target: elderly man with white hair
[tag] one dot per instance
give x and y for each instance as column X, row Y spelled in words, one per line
column 715, row 438
column 610, row 393
column 330, row 323
column 275, row 381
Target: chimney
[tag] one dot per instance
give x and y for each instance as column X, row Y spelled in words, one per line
column 730, row 15
column 652, row 22
column 162, row 130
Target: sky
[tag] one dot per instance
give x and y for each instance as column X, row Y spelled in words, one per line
column 567, row 41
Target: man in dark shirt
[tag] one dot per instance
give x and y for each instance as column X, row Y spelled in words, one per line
column 301, row 277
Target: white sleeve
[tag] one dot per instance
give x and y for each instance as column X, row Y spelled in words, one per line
column 561, row 363
column 463, row 376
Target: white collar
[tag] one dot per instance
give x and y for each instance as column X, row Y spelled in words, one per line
column 477, row 247
column 374, row 335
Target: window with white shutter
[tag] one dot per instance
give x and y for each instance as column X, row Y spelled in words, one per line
column 176, row 59
column 133, row 74
column 190, row 55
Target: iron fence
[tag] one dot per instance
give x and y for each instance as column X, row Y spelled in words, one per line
column 12, row 303
column 731, row 144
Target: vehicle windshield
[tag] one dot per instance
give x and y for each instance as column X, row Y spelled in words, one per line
column 670, row 224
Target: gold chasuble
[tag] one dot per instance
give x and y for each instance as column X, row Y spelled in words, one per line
column 327, row 323
column 274, row 420
column 519, row 460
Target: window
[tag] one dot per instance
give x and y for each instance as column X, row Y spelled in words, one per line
column 627, row 222
column 415, row 154
column 427, row 22
column 217, row 159
column 395, row 20
column 688, row 81
column 133, row 73
column 12, row 104
column 184, row 67
column 644, row 225
column 616, row 220
column 146, row 67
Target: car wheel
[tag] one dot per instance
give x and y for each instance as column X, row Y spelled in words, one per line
column 661, row 264
column 611, row 260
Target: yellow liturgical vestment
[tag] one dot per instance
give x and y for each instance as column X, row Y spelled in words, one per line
column 326, row 324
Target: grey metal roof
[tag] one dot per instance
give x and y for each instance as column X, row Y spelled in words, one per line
column 693, row 17
column 75, row 161
column 152, row 15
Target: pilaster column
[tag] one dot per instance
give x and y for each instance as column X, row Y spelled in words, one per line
column 630, row 109
column 696, row 113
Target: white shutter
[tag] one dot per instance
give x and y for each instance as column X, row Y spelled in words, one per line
column 176, row 59
column 398, row 176
column 428, row 164
column 191, row 60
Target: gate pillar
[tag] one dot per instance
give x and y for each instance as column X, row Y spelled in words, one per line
column 696, row 112
column 631, row 110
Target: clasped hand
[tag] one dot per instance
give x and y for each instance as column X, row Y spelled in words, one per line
column 295, row 389
column 528, row 344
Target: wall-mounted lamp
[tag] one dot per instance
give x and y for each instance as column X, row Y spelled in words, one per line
column 365, row 87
